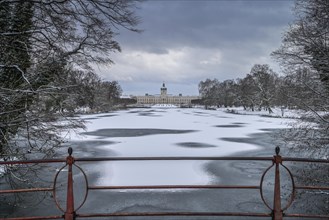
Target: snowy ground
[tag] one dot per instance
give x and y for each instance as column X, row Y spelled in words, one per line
column 165, row 131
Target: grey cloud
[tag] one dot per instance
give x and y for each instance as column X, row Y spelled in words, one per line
column 245, row 33
column 208, row 23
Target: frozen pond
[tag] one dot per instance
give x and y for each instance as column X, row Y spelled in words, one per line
column 166, row 132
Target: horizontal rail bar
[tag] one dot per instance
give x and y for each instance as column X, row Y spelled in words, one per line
column 88, row 159
column 306, row 216
column 174, row 187
column 132, row 214
column 26, row 190
column 170, row 158
column 313, row 187
column 308, row 160
column 13, row 162
column 35, row 218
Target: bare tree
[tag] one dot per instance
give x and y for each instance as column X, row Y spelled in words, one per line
column 209, row 91
column 265, row 81
column 107, row 96
column 306, row 42
column 227, row 93
column 304, row 54
column 247, row 93
column 46, row 51
column 44, row 40
column 80, row 31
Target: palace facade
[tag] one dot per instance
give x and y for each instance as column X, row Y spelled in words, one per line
column 164, row 98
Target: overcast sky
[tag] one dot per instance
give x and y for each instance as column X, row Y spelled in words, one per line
column 186, row 41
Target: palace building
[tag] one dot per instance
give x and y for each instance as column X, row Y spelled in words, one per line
column 165, row 98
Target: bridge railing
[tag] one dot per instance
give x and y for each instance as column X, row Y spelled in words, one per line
column 276, row 211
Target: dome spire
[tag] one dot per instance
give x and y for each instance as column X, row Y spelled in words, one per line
column 163, row 89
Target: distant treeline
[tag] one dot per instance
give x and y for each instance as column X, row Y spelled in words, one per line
column 263, row 89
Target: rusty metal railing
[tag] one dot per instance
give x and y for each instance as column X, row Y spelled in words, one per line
column 276, row 211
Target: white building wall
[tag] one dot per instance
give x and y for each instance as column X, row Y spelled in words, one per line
column 186, row 100
column 164, row 98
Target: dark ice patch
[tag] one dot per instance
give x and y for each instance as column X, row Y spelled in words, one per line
column 270, row 129
column 197, row 113
column 93, row 143
column 148, row 114
column 258, row 139
column 105, row 116
column 158, row 110
column 134, row 112
column 151, row 110
column 131, row 132
column 201, row 113
column 239, row 140
column 229, row 126
column 91, row 118
column 195, row 145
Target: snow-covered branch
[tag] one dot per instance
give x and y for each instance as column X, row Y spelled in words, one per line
column 18, row 68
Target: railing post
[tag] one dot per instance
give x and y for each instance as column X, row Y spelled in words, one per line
column 69, row 214
column 277, row 211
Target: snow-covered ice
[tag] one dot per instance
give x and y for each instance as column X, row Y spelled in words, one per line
column 209, row 127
